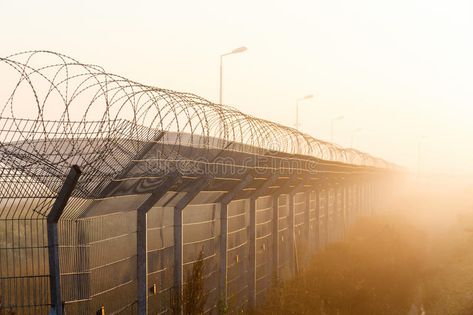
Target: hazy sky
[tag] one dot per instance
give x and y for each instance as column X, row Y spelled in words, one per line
column 401, row 70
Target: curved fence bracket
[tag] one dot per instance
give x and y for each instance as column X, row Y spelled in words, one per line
column 53, row 239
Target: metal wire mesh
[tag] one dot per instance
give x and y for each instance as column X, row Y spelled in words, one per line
column 56, row 112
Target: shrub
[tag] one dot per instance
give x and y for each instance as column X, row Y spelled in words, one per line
column 194, row 296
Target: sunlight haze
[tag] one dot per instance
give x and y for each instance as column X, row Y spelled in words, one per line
column 401, row 71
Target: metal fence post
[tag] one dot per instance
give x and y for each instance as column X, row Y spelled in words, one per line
column 369, row 198
column 275, row 236
column 252, row 240
column 275, row 226
column 317, row 221
column 290, row 228
column 53, row 238
column 352, row 204
column 178, row 257
column 362, row 205
column 307, row 221
column 336, row 214
column 347, row 205
column 223, row 251
column 358, row 200
column 326, row 218
column 291, row 220
column 192, row 192
column 224, row 201
column 252, row 255
column 142, row 241
column 372, row 199
column 341, row 213
column 344, row 210
column 142, row 257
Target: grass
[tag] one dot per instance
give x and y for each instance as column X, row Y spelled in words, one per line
column 377, row 269
column 449, row 289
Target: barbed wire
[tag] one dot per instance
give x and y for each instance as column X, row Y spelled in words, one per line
column 56, row 111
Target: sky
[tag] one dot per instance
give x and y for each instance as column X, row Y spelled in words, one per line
column 399, row 70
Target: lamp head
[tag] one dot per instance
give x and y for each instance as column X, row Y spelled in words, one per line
column 239, row 50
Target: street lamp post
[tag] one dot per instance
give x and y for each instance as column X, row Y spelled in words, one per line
column 332, row 126
column 307, row 97
column 353, row 134
column 234, row 51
